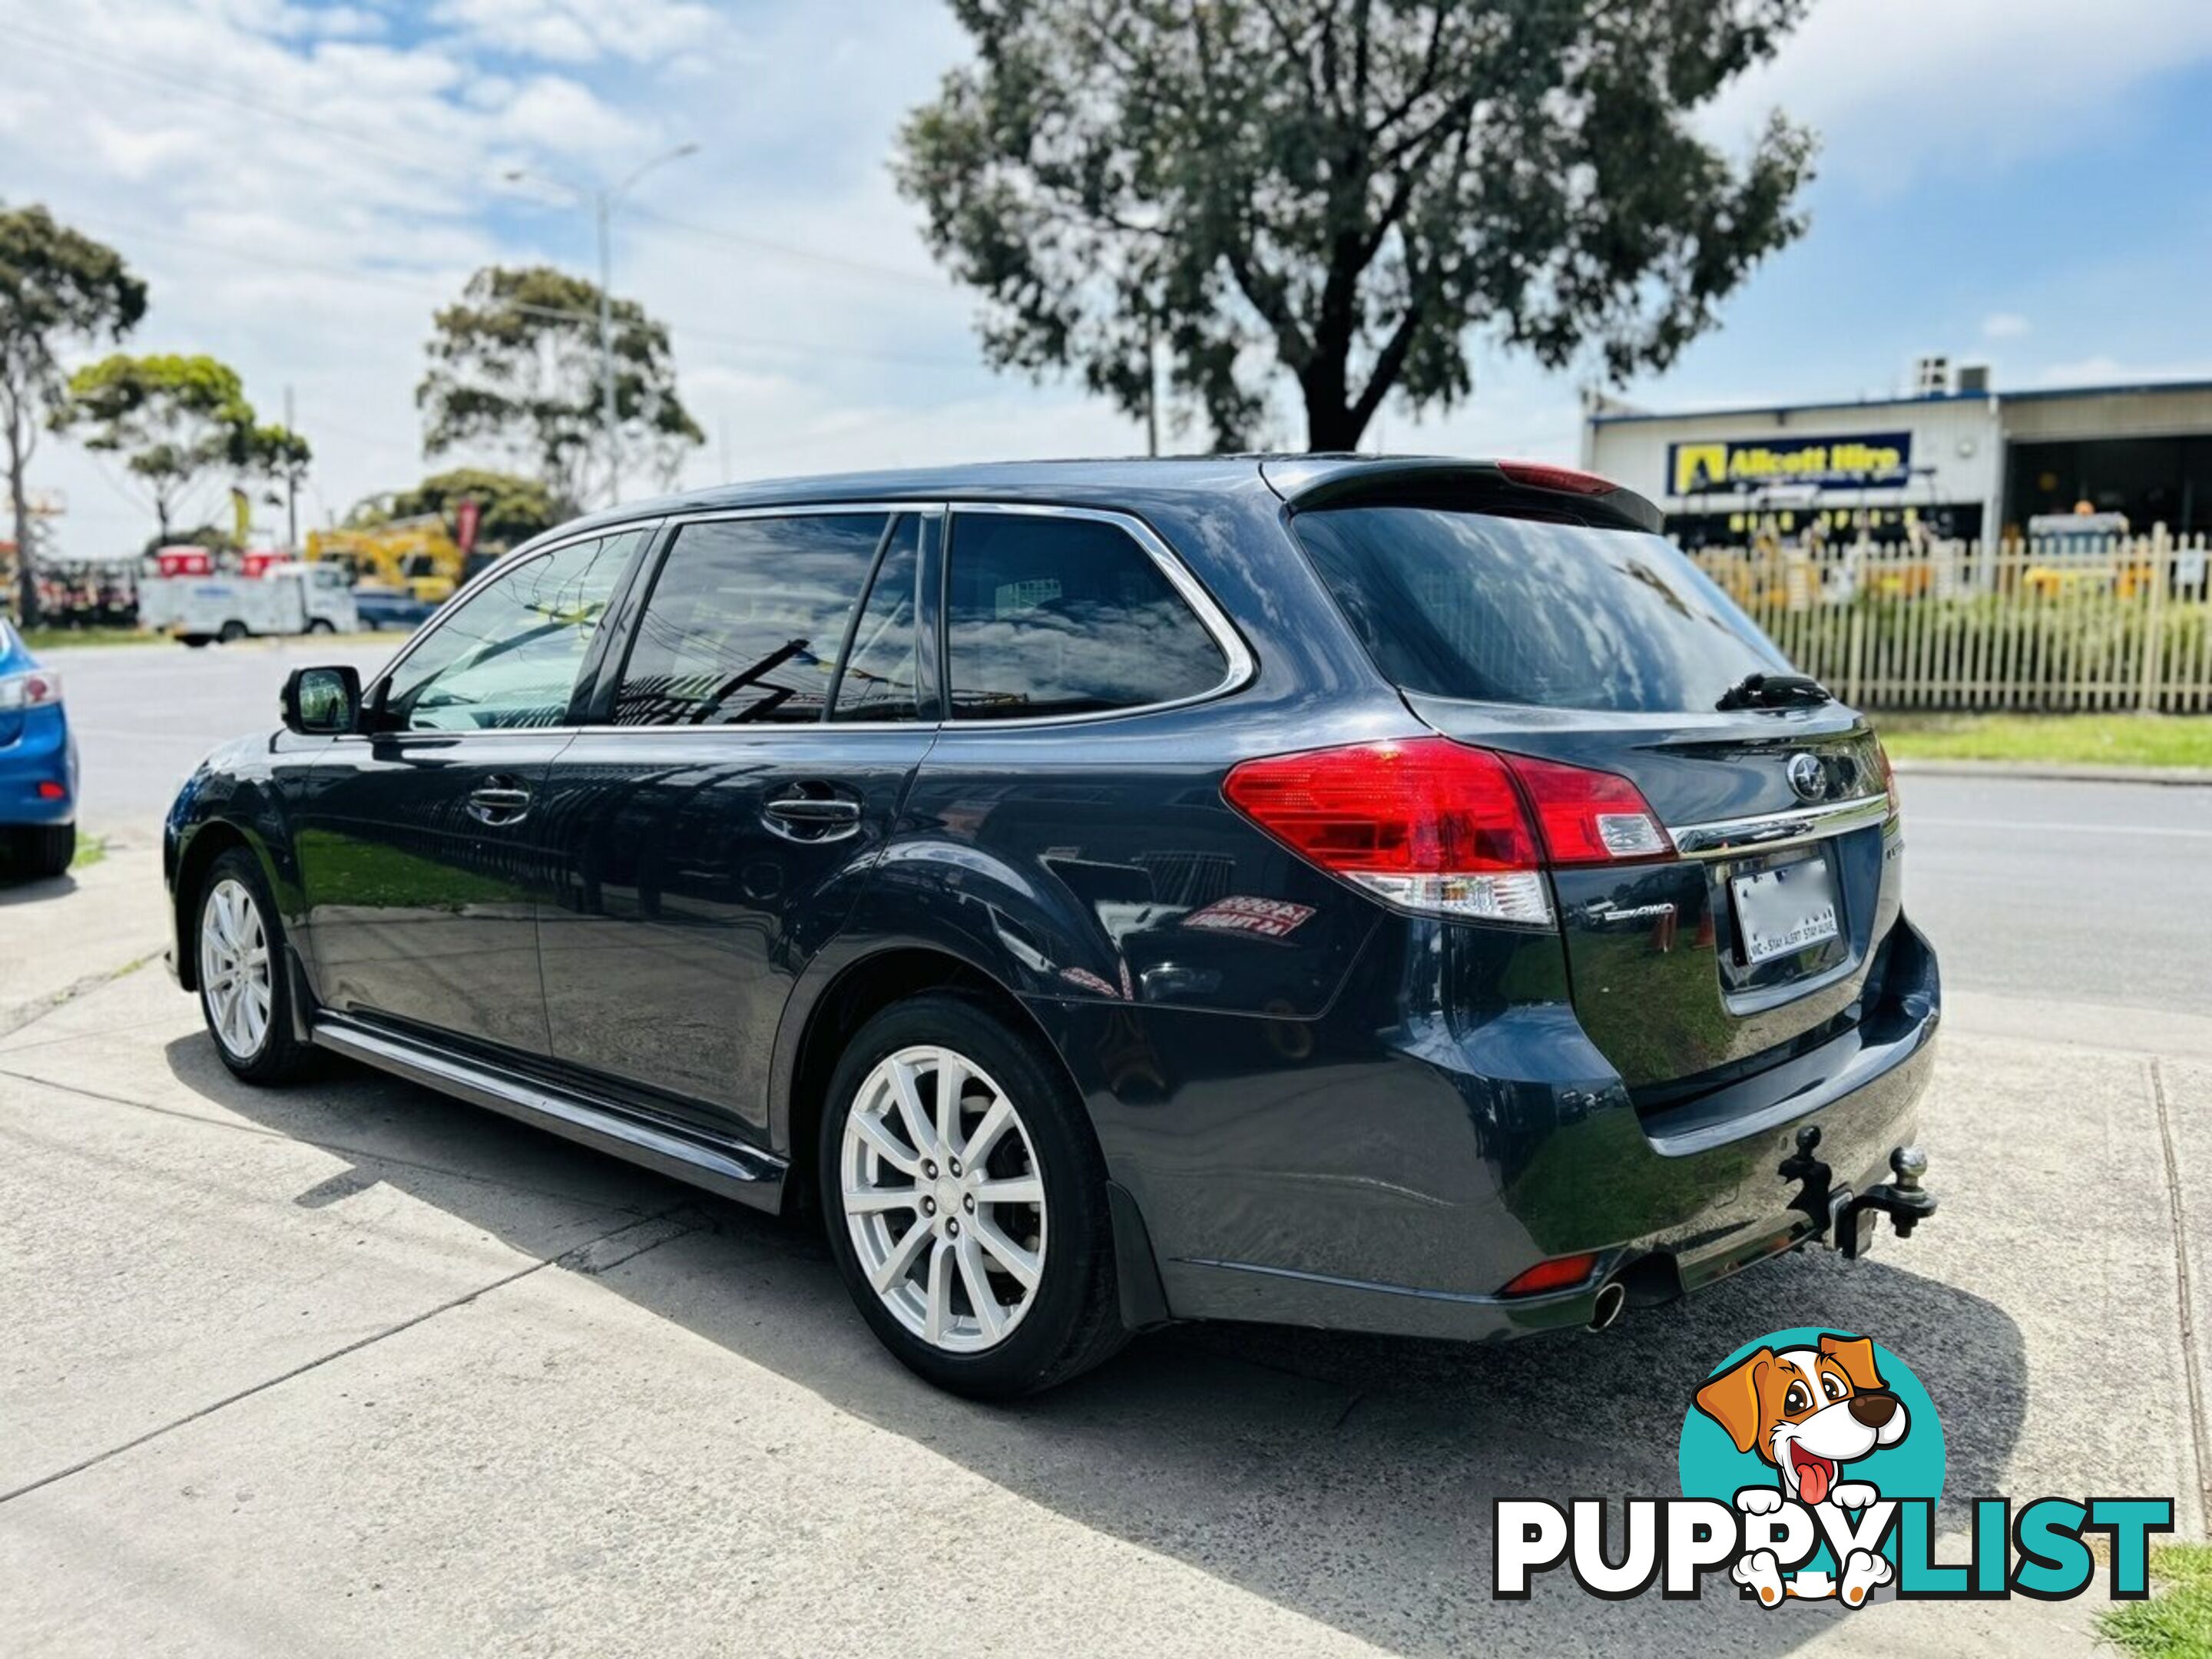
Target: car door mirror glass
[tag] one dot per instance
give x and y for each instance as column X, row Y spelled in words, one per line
column 322, row 701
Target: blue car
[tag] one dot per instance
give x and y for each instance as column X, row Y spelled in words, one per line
column 38, row 765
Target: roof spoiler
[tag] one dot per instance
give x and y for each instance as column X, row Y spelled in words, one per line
column 1526, row 489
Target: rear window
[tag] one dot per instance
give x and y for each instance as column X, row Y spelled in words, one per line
column 1516, row 610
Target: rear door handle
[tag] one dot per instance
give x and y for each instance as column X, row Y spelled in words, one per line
column 810, row 812
column 499, row 800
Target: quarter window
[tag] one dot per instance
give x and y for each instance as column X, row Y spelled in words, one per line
column 1053, row 615
column 508, row 656
column 746, row 620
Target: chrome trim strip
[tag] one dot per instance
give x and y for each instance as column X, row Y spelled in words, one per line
column 1772, row 831
column 737, row 1172
column 1242, row 665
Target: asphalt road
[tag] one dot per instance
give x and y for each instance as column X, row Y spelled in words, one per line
column 2097, row 893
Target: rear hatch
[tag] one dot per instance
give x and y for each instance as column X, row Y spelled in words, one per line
column 1532, row 623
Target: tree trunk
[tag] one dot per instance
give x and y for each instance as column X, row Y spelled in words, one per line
column 26, row 575
column 1334, row 424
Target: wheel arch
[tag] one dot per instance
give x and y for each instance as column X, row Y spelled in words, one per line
column 207, row 843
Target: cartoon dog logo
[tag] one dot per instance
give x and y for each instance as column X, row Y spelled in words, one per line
column 1807, row 1411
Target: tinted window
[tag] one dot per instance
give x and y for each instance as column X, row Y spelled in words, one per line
column 880, row 681
column 745, row 621
column 508, row 654
column 1511, row 611
column 1052, row 616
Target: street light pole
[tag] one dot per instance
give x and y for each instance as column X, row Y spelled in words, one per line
column 607, row 416
column 604, row 200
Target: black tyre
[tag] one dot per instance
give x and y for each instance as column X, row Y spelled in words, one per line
column 246, row 992
column 233, row 631
column 972, row 1230
column 194, row 642
column 41, row 851
column 321, row 625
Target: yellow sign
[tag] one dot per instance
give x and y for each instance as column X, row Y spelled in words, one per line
column 1876, row 460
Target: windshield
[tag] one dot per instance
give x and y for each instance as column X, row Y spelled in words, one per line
column 1517, row 611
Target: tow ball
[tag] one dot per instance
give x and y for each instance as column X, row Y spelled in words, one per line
column 1834, row 1210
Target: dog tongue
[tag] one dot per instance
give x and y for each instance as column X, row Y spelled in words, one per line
column 1813, row 1481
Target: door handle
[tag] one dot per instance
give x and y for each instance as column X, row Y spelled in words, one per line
column 810, row 812
column 498, row 801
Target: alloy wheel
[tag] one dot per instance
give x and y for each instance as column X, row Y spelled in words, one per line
column 234, row 968
column 943, row 1198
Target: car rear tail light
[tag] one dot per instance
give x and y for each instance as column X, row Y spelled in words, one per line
column 1431, row 825
column 1590, row 818
column 32, row 691
column 1542, row 475
column 1561, row 1272
column 49, row 790
column 1888, row 778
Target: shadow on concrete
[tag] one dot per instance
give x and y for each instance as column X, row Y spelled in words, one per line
column 16, row 889
column 1347, row 1479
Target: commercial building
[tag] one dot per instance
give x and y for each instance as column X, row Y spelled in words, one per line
column 1955, row 457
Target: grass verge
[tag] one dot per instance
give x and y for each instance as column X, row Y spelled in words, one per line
column 51, row 639
column 90, row 850
column 2085, row 740
column 2176, row 1623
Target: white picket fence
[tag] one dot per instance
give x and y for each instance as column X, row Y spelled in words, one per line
column 2079, row 624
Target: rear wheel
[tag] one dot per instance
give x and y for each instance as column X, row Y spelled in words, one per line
column 246, row 996
column 233, row 631
column 40, row 851
column 965, row 1199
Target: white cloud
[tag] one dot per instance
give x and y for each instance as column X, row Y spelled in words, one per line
column 2004, row 325
column 1898, row 87
column 582, row 30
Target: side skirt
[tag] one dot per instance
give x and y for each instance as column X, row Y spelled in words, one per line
column 739, row 1172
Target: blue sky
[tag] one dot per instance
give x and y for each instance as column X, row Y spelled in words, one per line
column 302, row 184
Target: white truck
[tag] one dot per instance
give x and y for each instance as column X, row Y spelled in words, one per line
column 284, row 599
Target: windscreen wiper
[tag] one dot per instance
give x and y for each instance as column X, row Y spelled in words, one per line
column 1775, row 691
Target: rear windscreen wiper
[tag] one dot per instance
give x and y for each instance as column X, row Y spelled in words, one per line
column 1775, row 691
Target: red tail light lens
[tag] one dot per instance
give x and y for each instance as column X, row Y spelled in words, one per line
column 1435, row 826
column 1590, row 817
column 1427, row 823
column 1561, row 1272
column 1542, row 475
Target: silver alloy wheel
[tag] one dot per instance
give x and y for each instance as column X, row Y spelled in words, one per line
column 944, row 1201
column 234, row 968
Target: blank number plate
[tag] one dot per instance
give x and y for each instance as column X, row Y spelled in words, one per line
column 1785, row 909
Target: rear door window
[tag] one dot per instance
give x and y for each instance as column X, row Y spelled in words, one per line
column 746, row 620
column 1049, row 615
column 1517, row 611
column 881, row 679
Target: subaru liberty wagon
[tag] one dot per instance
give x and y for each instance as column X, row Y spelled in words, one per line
column 1400, row 896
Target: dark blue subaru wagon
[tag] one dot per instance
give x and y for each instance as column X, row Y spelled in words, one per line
column 1398, row 894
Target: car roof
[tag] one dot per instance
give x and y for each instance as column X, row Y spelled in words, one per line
column 1296, row 478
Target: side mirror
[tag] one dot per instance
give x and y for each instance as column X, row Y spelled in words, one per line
column 319, row 701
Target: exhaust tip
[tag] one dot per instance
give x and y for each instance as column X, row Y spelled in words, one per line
column 1612, row 1300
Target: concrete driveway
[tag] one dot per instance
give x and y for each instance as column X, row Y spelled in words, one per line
column 350, row 1367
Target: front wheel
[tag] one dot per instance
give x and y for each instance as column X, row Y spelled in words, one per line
column 246, row 996
column 231, row 633
column 965, row 1199
column 322, row 625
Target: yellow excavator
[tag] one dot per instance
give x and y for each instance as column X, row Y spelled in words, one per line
column 418, row 556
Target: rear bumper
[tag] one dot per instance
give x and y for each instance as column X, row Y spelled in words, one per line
column 1394, row 1187
column 41, row 753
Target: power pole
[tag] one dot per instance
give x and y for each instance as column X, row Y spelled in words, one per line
column 1151, row 388
column 291, row 485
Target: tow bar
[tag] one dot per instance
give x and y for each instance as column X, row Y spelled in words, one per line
column 1834, row 1210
